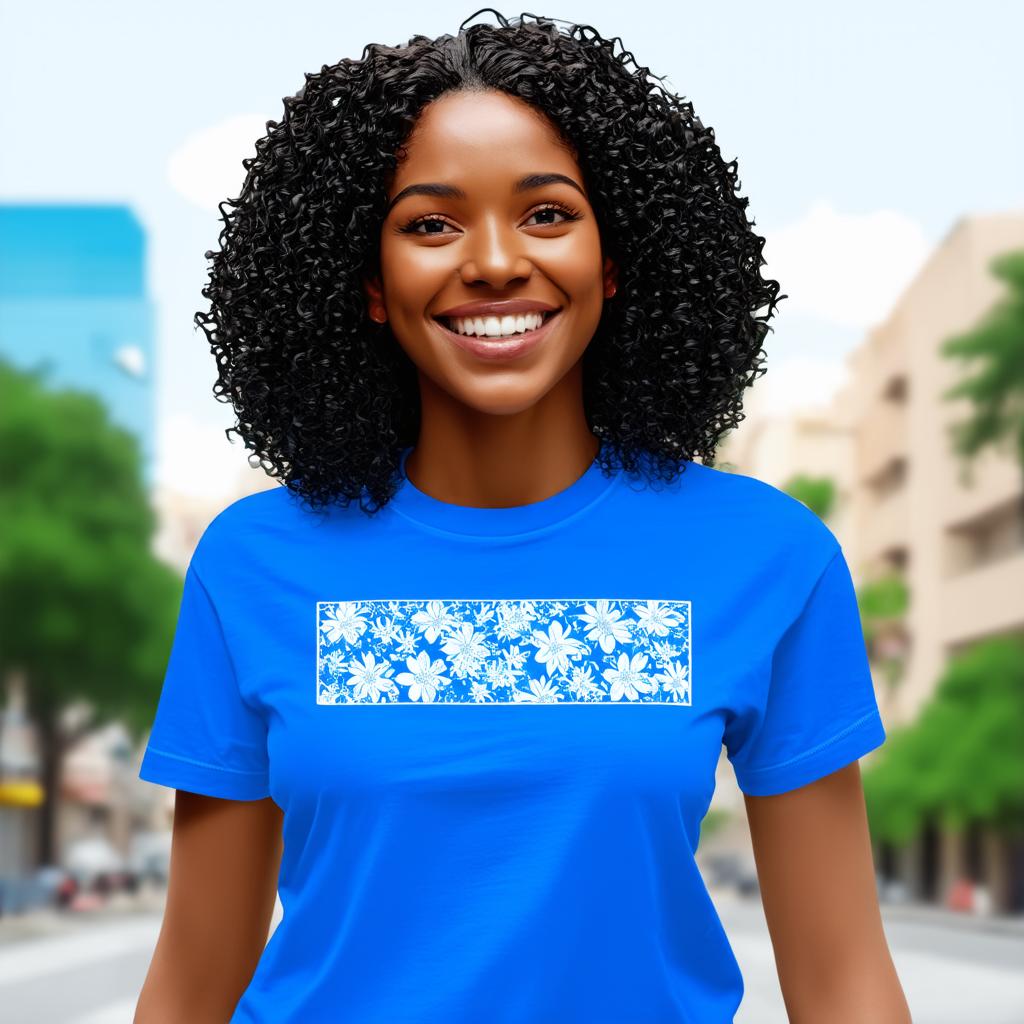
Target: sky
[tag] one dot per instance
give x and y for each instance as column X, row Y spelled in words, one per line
column 862, row 134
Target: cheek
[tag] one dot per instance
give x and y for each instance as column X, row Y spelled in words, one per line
column 576, row 266
column 412, row 274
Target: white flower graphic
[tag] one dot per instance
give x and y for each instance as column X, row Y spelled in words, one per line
column 483, row 616
column 434, row 620
column 665, row 651
column 656, row 617
column 370, row 678
column 406, row 641
column 556, row 647
column 385, row 629
column 465, row 648
column 498, row 673
column 515, row 618
column 480, row 693
column 423, row 678
column 343, row 621
column 515, row 657
column 627, row 679
column 541, row 692
column 582, row 682
column 676, row 680
column 605, row 625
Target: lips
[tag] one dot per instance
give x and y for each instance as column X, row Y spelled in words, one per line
column 498, row 307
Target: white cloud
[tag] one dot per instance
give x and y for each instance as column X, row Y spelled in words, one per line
column 207, row 167
column 131, row 359
column 843, row 268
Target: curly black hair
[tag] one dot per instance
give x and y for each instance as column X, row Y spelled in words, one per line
column 327, row 399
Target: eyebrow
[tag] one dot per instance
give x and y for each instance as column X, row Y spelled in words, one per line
column 442, row 191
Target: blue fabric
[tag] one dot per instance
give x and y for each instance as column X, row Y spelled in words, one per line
column 494, row 735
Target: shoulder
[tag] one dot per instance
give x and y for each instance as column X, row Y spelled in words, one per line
column 250, row 520
column 768, row 516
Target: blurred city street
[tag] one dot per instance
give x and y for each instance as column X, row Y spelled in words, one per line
column 89, row 971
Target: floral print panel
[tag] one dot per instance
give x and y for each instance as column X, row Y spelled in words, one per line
column 540, row 651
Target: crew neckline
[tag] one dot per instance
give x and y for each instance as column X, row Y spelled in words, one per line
column 409, row 501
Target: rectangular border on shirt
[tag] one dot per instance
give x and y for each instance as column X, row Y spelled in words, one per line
column 504, row 651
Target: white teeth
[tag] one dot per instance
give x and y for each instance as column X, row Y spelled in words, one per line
column 495, row 326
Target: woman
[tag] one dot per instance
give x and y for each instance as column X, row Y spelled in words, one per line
column 460, row 688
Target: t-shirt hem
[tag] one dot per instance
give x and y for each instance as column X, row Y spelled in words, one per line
column 177, row 772
column 857, row 739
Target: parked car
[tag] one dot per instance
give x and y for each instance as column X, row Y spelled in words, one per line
column 55, row 885
column 747, row 883
column 48, row 886
column 733, row 868
column 94, row 861
column 722, row 868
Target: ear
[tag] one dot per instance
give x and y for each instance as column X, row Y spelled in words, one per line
column 611, row 277
column 373, row 290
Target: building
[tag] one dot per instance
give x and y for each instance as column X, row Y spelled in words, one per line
column 905, row 505
column 956, row 537
column 73, row 298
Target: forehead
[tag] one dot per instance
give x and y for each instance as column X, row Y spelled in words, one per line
column 474, row 135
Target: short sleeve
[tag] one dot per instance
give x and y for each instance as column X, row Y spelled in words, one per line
column 820, row 713
column 205, row 738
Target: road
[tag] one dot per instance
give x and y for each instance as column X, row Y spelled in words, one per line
column 951, row 974
column 91, row 973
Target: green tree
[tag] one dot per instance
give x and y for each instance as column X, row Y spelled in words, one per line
column 87, row 612
column 818, row 493
column 963, row 759
column 996, row 388
column 883, row 605
column 713, row 822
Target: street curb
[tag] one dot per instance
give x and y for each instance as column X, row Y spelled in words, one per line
column 15, row 928
column 997, row 924
column 937, row 917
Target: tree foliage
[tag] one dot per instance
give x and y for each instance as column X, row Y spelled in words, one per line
column 962, row 760
column 86, row 611
column 818, row 493
column 995, row 351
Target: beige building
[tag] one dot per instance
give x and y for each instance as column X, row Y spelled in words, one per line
column 183, row 517
column 958, row 541
column 903, row 504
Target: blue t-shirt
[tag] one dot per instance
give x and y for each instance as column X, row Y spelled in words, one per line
column 493, row 734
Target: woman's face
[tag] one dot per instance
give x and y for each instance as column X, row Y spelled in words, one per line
column 466, row 225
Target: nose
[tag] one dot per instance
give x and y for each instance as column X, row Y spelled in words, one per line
column 495, row 255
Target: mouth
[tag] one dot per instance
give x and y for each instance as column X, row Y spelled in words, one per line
column 506, row 347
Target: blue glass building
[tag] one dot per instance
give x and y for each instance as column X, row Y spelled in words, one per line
column 73, row 299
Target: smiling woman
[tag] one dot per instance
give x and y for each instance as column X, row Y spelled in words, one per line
column 480, row 281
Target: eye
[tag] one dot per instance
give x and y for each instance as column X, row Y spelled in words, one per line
column 410, row 228
column 566, row 211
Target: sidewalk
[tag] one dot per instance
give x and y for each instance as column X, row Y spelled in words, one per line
column 16, row 928
column 150, row 900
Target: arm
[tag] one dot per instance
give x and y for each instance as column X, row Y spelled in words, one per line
column 225, row 857
column 814, row 866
